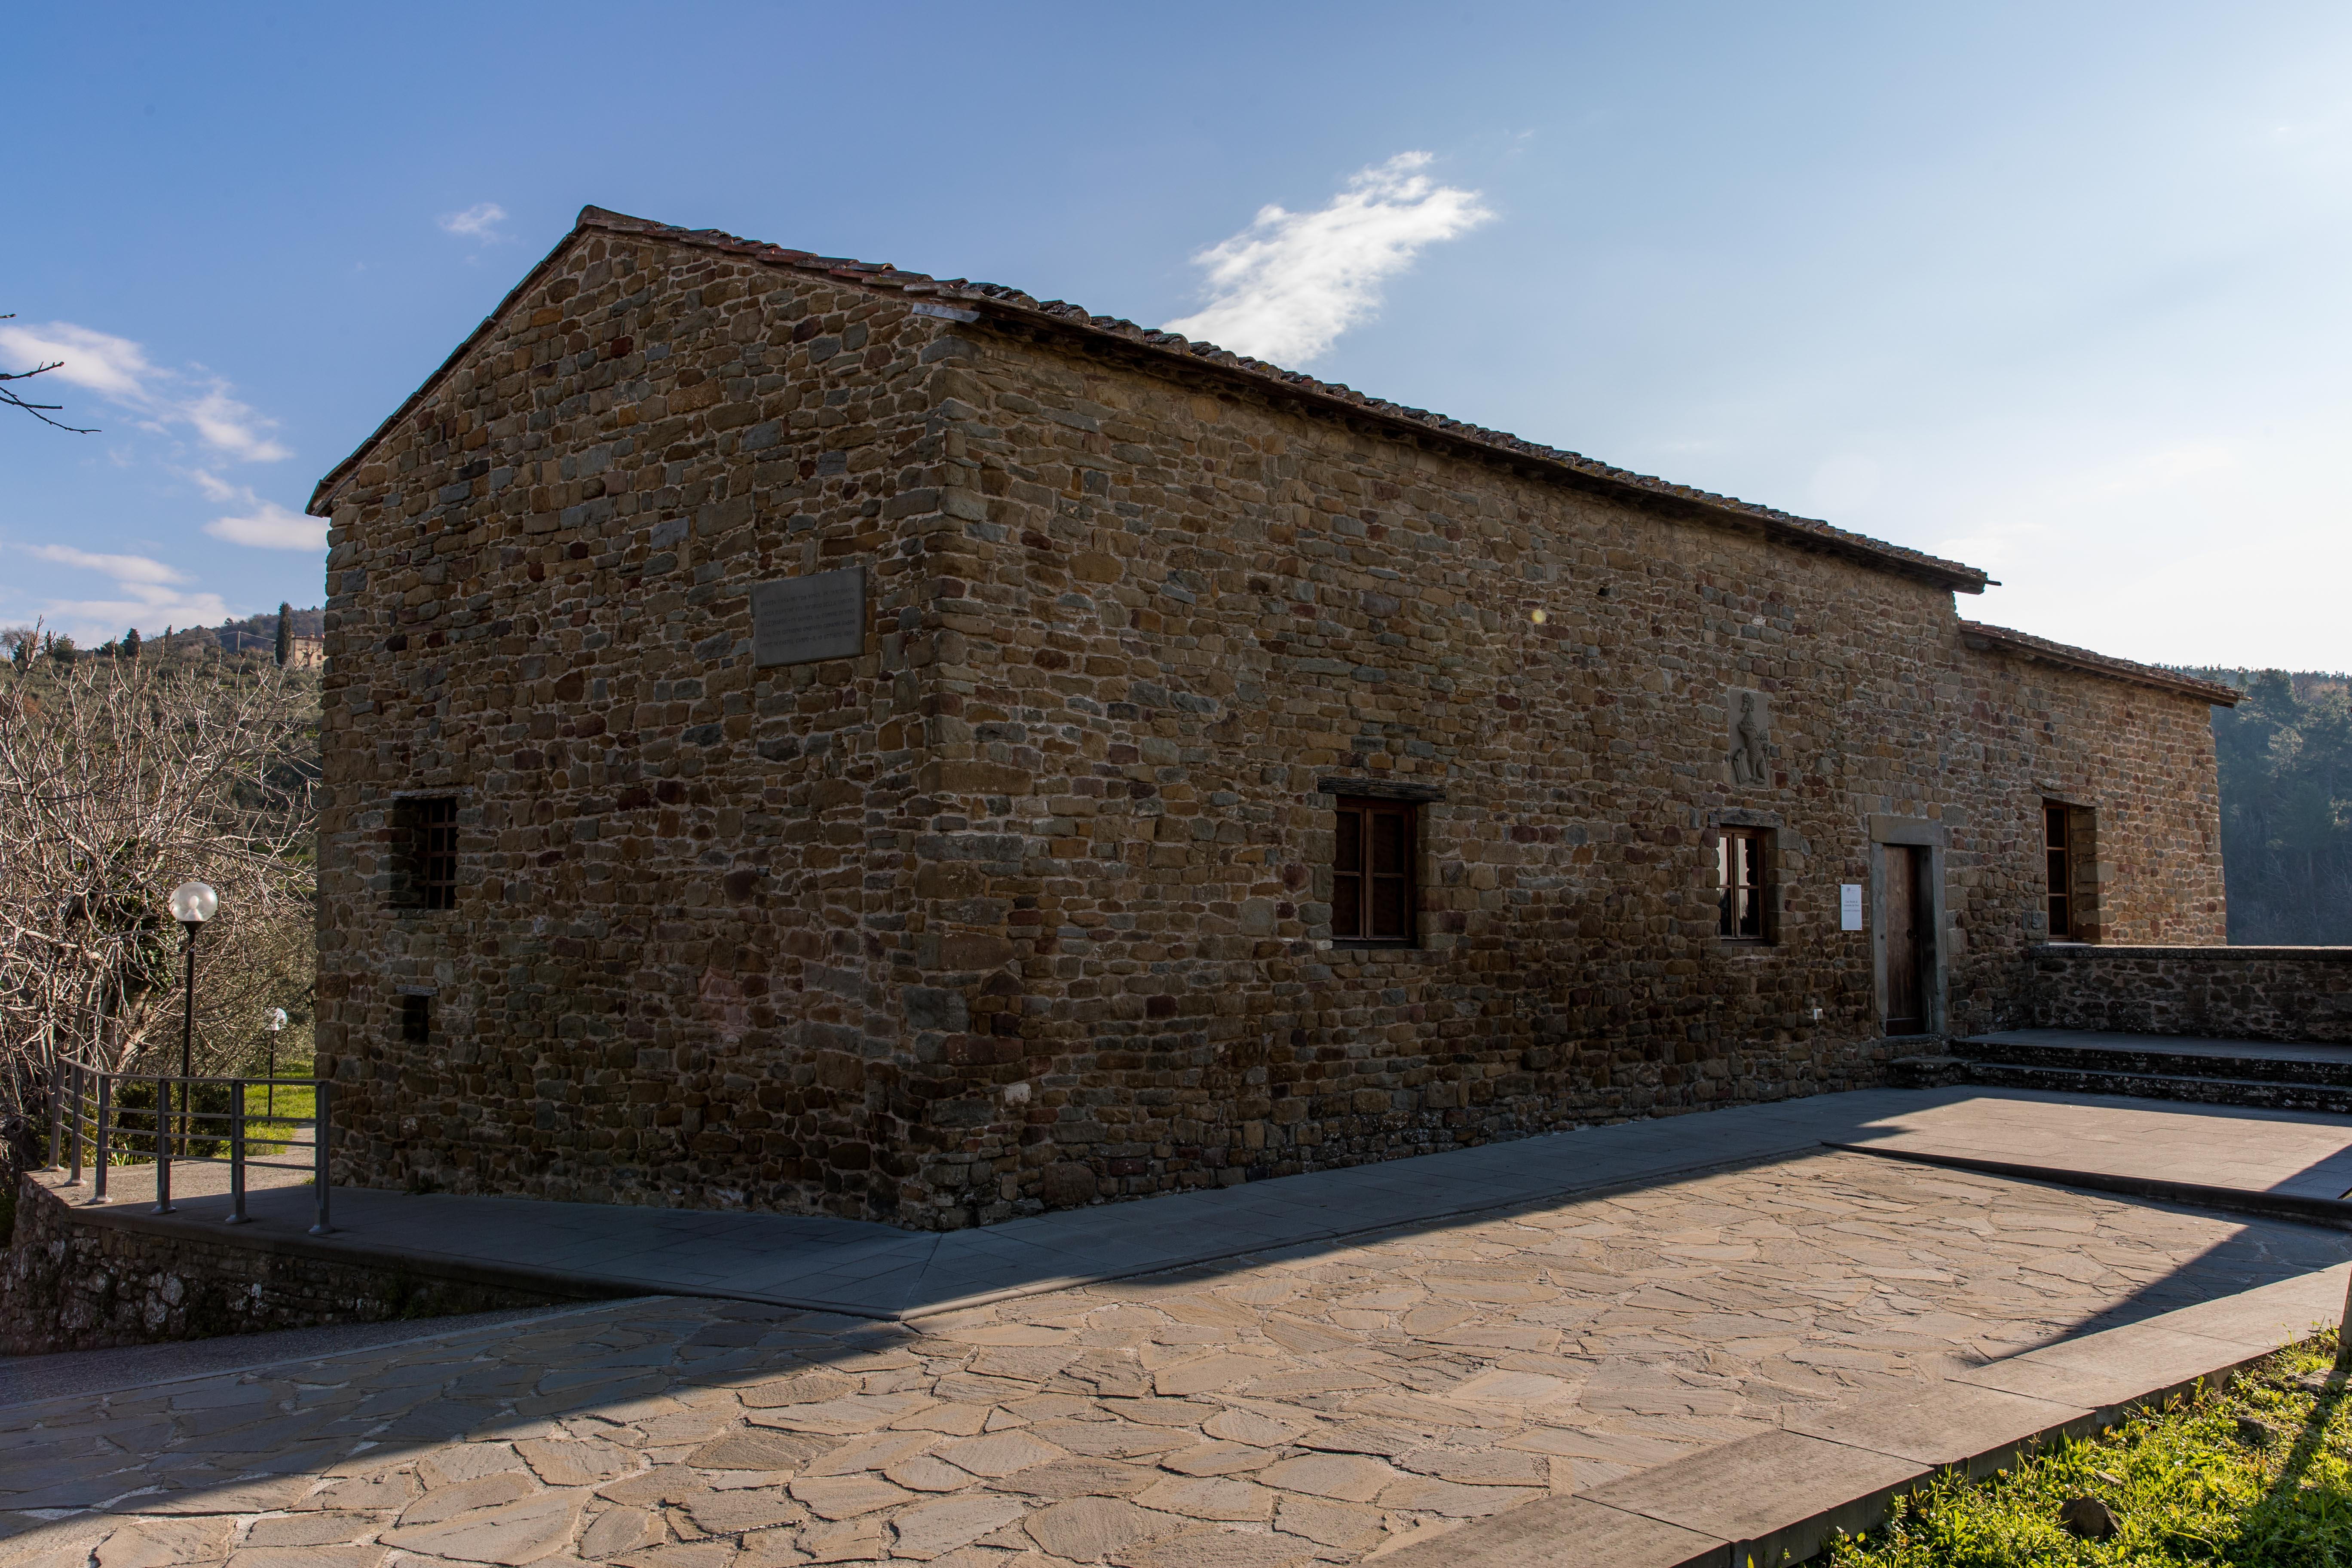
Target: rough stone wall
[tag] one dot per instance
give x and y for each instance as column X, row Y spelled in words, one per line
column 2142, row 760
column 1028, row 905
column 68, row 1286
column 2223, row 993
column 673, row 975
column 1187, row 609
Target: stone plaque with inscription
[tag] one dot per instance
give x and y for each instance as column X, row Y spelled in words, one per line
column 803, row 619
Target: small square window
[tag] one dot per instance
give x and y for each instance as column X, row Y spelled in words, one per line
column 1742, row 856
column 416, row 1020
column 1372, row 867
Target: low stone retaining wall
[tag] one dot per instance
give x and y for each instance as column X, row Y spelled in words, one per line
column 2228, row 992
column 73, row 1281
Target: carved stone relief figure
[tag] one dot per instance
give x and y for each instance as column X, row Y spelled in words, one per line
column 1751, row 730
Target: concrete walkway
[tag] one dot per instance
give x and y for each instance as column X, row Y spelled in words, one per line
column 871, row 1270
column 1655, row 1376
column 1583, row 1348
column 2225, row 1149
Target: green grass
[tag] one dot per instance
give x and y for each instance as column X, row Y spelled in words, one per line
column 2194, row 1482
column 265, row 1138
column 274, row 1124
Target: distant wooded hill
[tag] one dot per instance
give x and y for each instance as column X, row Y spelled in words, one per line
column 258, row 634
column 2286, row 806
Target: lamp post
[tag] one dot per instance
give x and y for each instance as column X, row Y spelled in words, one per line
column 193, row 903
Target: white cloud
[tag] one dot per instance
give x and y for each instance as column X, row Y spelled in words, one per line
column 149, row 595
column 1288, row 285
column 271, row 527
column 112, row 367
column 118, row 370
column 122, row 568
column 480, row 221
column 265, row 525
column 230, row 427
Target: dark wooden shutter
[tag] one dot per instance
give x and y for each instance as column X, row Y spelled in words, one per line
column 437, row 853
column 1372, row 871
column 2060, row 855
column 1740, row 877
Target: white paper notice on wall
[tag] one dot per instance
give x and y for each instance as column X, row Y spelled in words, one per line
column 1850, row 906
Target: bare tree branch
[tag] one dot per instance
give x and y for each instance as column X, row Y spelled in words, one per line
column 41, row 411
column 117, row 779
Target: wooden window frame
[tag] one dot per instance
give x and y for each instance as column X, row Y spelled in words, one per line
column 1743, row 866
column 1373, row 906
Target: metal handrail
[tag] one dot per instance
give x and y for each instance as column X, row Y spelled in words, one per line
column 84, row 1103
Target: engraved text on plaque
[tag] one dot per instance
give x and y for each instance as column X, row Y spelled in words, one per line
column 802, row 619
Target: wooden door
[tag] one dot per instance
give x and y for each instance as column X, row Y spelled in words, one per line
column 1908, row 935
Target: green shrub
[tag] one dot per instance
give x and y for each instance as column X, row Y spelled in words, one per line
column 134, row 1119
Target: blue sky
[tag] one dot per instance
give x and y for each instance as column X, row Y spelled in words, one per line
column 2060, row 292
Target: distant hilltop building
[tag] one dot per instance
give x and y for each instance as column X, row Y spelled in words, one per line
column 306, row 653
column 807, row 735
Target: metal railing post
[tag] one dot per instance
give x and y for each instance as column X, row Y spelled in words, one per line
column 163, row 1145
column 105, row 1116
column 321, row 1103
column 56, row 1114
column 237, row 1151
column 80, row 1091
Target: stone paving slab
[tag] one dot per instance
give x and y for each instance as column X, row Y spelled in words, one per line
column 1317, row 1403
column 878, row 1271
column 1780, row 1496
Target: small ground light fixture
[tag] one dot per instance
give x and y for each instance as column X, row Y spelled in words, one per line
column 275, row 1019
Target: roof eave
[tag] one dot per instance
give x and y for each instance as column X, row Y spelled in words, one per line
column 1942, row 574
column 2020, row 645
column 1268, row 382
column 321, row 502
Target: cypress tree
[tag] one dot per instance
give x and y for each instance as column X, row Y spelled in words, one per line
column 130, row 643
column 285, row 633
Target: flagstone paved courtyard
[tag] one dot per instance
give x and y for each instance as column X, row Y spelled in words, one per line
column 1322, row 1405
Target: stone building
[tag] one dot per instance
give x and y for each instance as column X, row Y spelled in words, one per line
column 802, row 734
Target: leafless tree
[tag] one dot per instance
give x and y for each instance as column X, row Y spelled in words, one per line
column 41, row 411
column 120, row 779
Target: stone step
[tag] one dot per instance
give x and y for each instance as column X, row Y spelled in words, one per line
column 2269, row 1094
column 1929, row 1072
column 2162, row 1056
